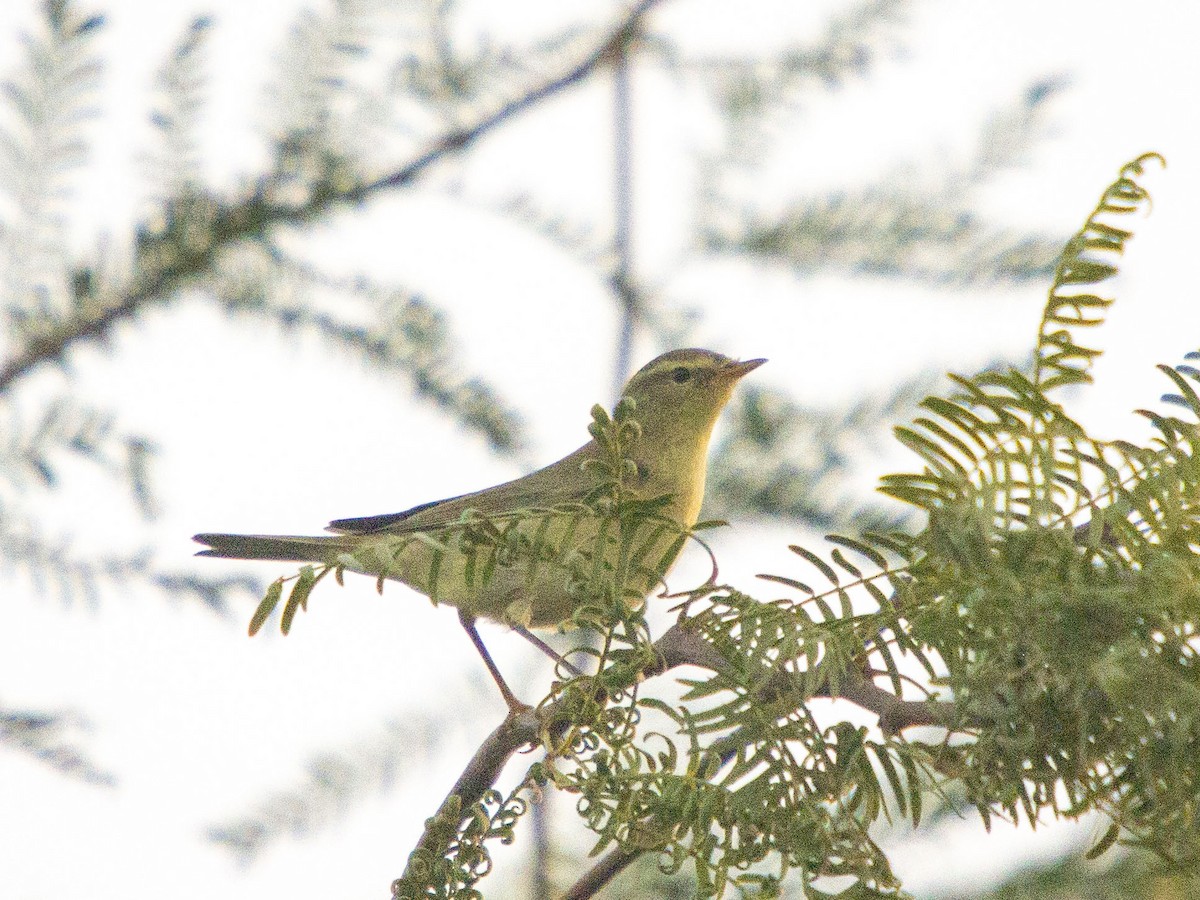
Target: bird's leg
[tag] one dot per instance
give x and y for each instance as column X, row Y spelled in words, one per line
column 468, row 623
column 545, row 648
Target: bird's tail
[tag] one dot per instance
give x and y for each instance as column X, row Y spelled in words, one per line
column 278, row 547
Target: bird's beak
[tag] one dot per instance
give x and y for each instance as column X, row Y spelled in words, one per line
column 736, row 370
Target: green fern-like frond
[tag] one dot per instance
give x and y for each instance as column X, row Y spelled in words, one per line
column 1001, row 444
column 1053, row 587
column 783, row 459
column 756, row 788
column 1088, row 260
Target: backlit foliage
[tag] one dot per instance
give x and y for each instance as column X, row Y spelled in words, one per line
column 1043, row 619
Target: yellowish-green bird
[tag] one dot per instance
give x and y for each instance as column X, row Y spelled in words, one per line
column 677, row 399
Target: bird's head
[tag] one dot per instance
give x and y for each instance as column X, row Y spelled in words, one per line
column 680, row 394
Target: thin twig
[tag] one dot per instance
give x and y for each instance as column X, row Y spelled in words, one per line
column 539, row 824
column 613, row 864
column 623, row 212
column 519, row 729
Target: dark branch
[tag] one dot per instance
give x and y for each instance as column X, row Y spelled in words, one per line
column 477, row 778
column 622, row 276
column 676, row 647
column 894, row 713
column 599, row 875
column 166, row 261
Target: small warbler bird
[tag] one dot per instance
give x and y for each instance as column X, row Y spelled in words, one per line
column 676, row 401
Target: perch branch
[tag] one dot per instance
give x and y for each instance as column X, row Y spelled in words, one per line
column 679, row 646
column 676, row 647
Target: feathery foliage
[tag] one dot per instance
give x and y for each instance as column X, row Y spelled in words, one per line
column 911, row 224
column 757, row 96
column 610, row 537
column 51, row 739
column 406, row 334
column 781, row 458
column 42, row 146
column 180, row 244
column 181, row 81
column 1046, row 612
column 1130, row 877
column 606, row 578
column 332, row 782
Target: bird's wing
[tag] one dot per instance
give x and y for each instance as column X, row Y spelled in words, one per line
column 559, row 482
column 367, row 524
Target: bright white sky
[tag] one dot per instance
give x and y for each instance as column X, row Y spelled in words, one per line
column 263, row 433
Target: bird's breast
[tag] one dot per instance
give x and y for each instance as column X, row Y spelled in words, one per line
column 682, row 476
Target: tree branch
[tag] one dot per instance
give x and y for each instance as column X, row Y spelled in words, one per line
column 598, row 876
column 895, row 714
column 622, row 275
column 676, row 647
column 476, row 779
column 183, row 251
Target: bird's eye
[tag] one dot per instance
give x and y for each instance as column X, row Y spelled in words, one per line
column 682, row 374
